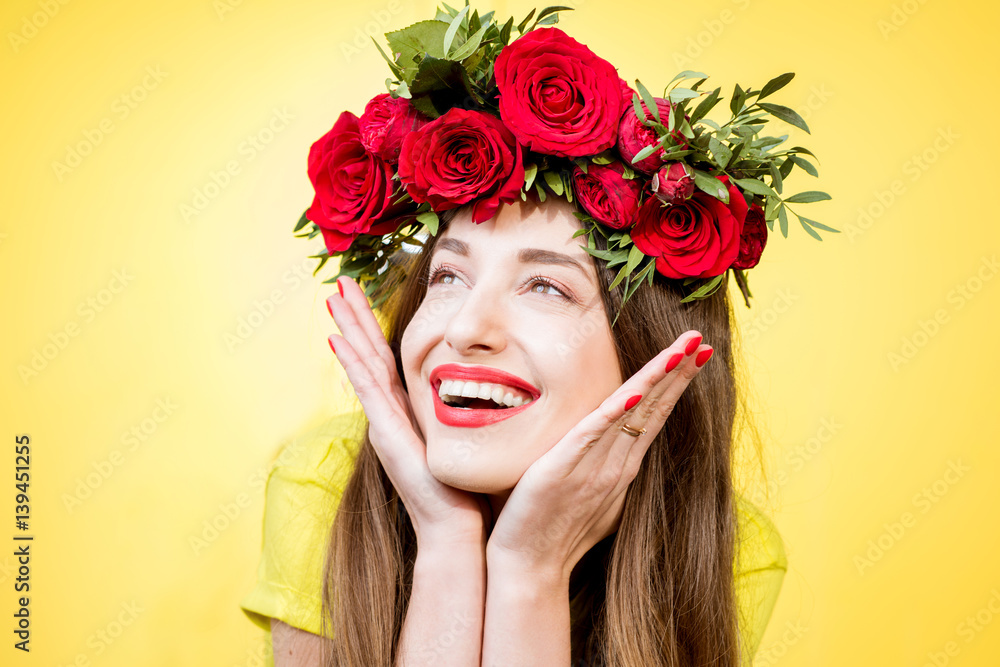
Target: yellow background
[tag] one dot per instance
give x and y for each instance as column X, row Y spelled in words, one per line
column 826, row 319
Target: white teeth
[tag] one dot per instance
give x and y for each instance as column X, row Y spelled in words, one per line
column 452, row 389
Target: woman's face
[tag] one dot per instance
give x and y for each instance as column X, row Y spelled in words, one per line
column 513, row 305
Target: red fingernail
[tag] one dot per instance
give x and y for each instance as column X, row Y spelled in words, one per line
column 630, row 403
column 702, row 357
column 692, row 345
column 339, row 288
column 674, row 360
column 330, row 340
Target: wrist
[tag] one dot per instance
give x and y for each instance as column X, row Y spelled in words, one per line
column 526, row 572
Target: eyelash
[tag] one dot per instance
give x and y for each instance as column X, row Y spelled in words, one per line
column 437, row 271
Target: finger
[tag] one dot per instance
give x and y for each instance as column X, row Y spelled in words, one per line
column 670, row 381
column 654, row 415
column 394, row 443
column 355, row 297
column 601, row 428
column 364, row 347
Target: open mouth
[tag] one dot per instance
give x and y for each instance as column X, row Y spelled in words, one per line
column 472, row 403
column 480, row 396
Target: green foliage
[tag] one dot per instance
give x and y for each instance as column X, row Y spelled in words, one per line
column 448, row 61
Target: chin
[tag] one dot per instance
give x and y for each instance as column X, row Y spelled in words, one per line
column 461, row 471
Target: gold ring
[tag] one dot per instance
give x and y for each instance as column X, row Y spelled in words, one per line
column 631, row 431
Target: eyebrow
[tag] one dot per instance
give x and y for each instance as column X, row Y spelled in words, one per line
column 524, row 255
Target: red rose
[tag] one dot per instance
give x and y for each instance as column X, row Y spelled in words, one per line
column 461, row 156
column 699, row 238
column 556, row 96
column 354, row 189
column 384, row 124
column 607, row 195
column 673, row 184
column 633, row 136
column 753, row 239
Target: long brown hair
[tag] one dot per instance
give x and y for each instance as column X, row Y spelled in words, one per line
column 659, row 591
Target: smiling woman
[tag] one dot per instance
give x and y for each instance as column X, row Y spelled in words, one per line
column 542, row 471
column 545, row 523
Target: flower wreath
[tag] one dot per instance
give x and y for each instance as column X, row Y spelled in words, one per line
column 475, row 118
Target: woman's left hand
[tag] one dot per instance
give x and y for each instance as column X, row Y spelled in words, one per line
column 572, row 497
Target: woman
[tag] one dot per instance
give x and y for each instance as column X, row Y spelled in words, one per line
column 496, row 532
column 542, row 472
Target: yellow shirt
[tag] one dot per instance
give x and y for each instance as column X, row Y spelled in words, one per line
column 304, row 489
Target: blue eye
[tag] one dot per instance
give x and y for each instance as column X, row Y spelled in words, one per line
column 442, row 275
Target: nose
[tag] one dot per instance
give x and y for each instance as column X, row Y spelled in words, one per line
column 479, row 324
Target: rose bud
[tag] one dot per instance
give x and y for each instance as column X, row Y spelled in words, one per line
column 753, row 239
column 384, row 124
column 673, row 184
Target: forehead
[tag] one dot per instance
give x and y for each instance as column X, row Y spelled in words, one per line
column 548, row 226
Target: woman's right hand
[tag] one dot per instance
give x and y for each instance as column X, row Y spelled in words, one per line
column 441, row 515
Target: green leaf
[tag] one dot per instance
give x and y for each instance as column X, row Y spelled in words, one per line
column 804, row 164
column 786, row 168
column 799, row 149
column 705, row 106
column 449, row 35
column 579, row 232
column 680, row 94
column 720, row 151
column 711, row 123
column 636, row 280
column 397, row 71
column 736, row 103
column 688, row 74
column 776, row 180
column 551, row 10
column 775, row 84
column 783, row 219
column 785, row 114
column 624, row 271
column 650, row 103
column 812, row 232
column 505, row 31
column 402, row 90
column 634, row 257
column 645, row 153
column 554, row 181
column 807, row 197
column 524, row 24
column 706, row 289
column 303, row 221
column 420, row 38
column 429, row 218
column 606, row 255
column 766, row 142
column 467, row 49
column 530, row 171
column 818, row 224
column 711, row 185
column 620, row 258
column 771, row 209
column 755, row 186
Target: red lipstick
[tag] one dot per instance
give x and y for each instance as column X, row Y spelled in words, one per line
column 472, row 418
